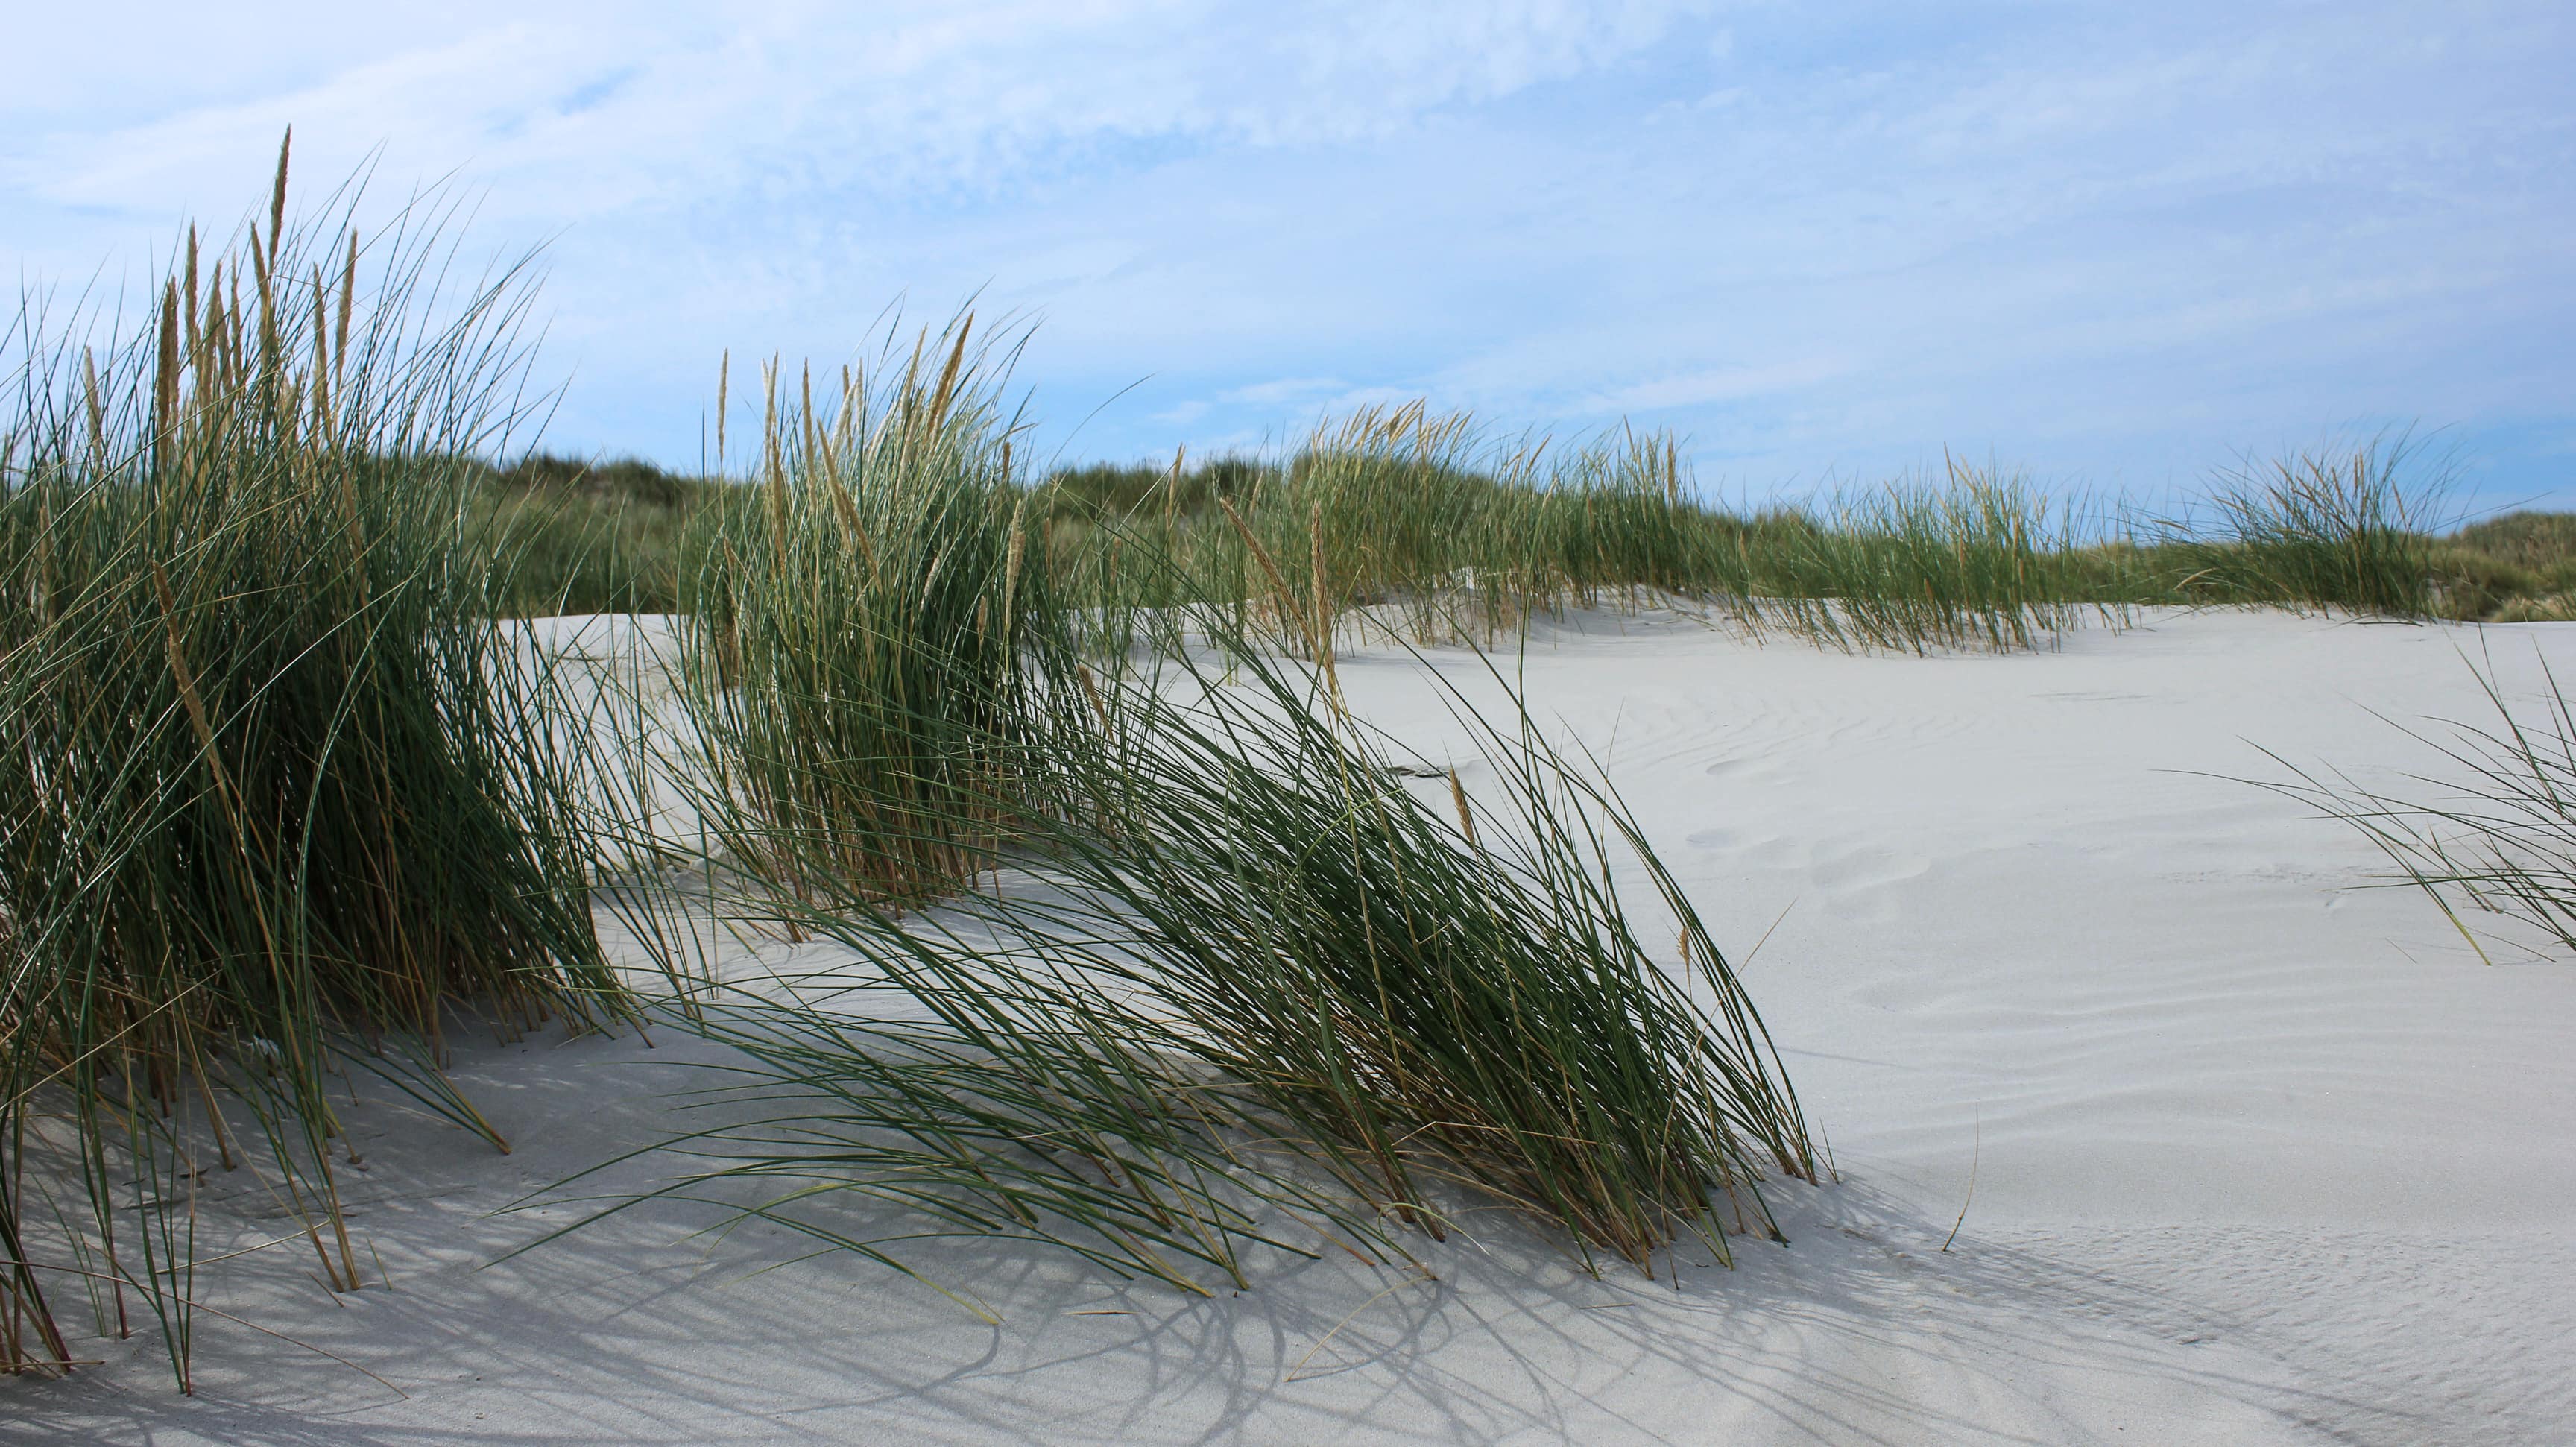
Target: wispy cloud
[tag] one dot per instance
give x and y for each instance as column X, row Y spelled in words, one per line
column 2117, row 243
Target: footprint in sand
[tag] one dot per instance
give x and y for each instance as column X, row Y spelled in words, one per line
column 1867, row 867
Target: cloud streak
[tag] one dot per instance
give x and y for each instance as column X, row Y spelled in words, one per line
column 2114, row 243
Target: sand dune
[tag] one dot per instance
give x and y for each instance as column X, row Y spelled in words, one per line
column 2257, row 1157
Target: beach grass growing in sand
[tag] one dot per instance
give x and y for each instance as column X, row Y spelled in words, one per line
column 2324, row 527
column 1444, row 532
column 1242, row 986
column 870, row 624
column 2495, row 833
column 1152, row 950
column 1447, row 532
column 1439, row 530
column 272, row 811
column 1440, row 996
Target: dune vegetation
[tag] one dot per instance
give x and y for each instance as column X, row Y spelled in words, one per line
column 1180, row 963
column 1424, row 519
column 272, row 812
column 2490, row 831
column 1231, row 982
column 295, row 797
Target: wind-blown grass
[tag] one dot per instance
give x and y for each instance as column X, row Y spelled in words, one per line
column 272, row 806
column 859, row 657
column 1446, row 533
column 2322, row 528
column 1438, row 996
column 1242, row 987
column 1018, row 1109
column 2495, row 832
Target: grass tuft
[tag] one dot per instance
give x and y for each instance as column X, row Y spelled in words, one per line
column 1241, row 987
column 271, row 809
column 2496, row 832
column 2316, row 529
column 858, row 655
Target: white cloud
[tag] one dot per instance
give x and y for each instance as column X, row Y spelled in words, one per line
column 2116, row 241
column 903, row 98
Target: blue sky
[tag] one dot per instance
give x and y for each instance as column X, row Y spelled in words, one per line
column 2115, row 245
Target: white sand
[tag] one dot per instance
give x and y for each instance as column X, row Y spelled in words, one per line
column 2257, row 1159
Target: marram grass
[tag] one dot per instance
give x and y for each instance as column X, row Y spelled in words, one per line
column 1235, row 987
column 1187, row 971
column 2489, row 833
column 1430, row 529
column 868, row 619
column 1445, row 998
column 2324, row 528
column 272, row 810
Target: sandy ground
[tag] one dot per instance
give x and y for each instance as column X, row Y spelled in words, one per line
column 2257, row 1158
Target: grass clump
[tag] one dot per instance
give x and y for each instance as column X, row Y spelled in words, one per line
column 2496, row 832
column 1442, row 532
column 1976, row 560
column 865, row 620
column 1438, row 996
column 2323, row 528
column 272, row 806
column 1240, row 986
